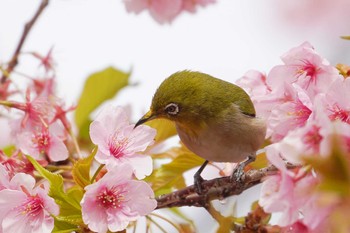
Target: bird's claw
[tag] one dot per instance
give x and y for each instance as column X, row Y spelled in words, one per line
column 198, row 180
column 238, row 174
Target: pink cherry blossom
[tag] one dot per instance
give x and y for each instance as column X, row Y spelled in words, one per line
column 42, row 143
column 44, row 87
column 336, row 100
column 304, row 67
column 115, row 200
column 291, row 114
column 254, row 83
column 17, row 163
column 119, row 143
column 38, row 111
column 46, row 61
column 24, row 208
column 292, row 193
column 164, row 11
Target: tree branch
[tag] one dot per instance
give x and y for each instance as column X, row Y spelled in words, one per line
column 218, row 188
column 28, row 26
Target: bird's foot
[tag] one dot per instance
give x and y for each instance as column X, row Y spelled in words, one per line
column 198, row 180
column 238, row 174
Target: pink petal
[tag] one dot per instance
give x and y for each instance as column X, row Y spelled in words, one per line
column 117, row 221
column 164, row 11
column 142, row 136
column 22, row 180
column 57, row 150
column 141, row 197
column 142, row 165
column 48, row 202
column 4, row 177
column 9, row 199
column 113, row 118
column 136, row 6
column 98, row 133
column 25, row 144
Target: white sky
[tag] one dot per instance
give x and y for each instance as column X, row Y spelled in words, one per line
column 225, row 40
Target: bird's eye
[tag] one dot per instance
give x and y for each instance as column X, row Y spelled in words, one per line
column 172, row 109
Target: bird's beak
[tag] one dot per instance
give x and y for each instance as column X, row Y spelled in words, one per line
column 147, row 117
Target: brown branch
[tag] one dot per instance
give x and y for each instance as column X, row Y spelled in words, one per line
column 218, row 188
column 28, row 26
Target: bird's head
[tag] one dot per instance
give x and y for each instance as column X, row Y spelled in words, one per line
column 193, row 99
column 180, row 98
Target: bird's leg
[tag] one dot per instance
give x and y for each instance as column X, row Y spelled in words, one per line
column 238, row 172
column 198, row 179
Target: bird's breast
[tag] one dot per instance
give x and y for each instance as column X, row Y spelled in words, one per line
column 225, row 142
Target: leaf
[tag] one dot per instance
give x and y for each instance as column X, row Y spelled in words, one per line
column 99, row 87
column 64, row 227
column 9, row 150
column 171, row 174
column 343, row 70
column 56, row 184
column 81, row 169
column 261, row 161
column 165, row 128
column 74, row 194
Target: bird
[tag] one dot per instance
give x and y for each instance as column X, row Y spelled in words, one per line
column 214, row 118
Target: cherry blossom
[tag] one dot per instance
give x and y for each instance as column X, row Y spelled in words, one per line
column 17, row 163
column 25, row 208
column 46, row 61
column 119, row 143
column 37, row 112
column 293, row 194
column 294, row 112
column 42, row 143
column 302, row 65
column 115, row 200
column 164, row 11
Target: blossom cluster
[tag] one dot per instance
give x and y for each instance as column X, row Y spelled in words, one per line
column 305, row 102
column 164, row 11
column 41, row 128
column 116, row 199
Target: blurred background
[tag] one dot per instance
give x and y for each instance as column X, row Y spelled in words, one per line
column 225, row 39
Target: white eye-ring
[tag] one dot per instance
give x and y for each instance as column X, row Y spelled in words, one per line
column 172, row 109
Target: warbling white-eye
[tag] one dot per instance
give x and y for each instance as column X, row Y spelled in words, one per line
column 215, row 119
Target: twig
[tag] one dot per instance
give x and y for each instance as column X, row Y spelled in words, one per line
column 28, row 26
column 218, row 188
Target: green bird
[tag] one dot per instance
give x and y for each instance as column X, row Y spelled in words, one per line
column 214, row 119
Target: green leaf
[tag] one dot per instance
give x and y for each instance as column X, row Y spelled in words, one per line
column 64, row 227
column 261, row 161
column 75, row 194
column 165, row 128
column 170, row 175
column 99, row 87
column 81, row 169
column 56, row 183
column 8, row 150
